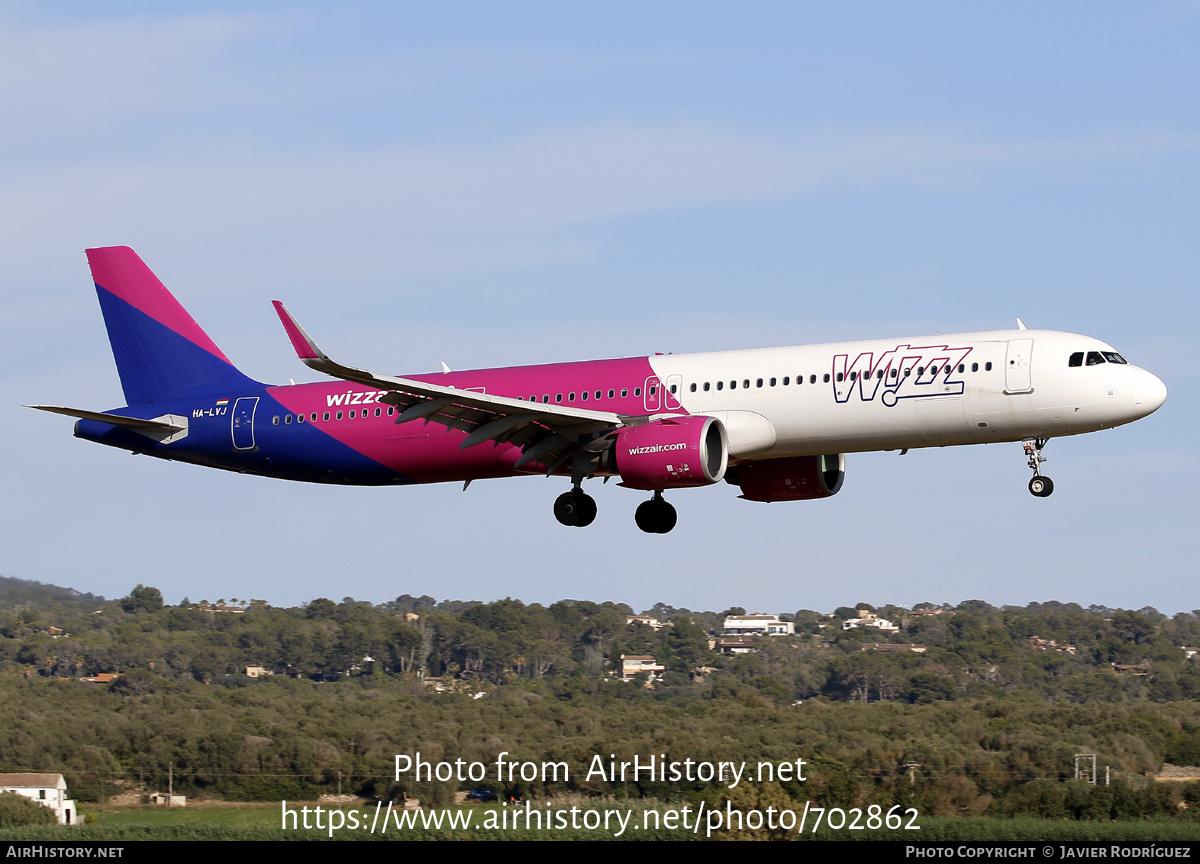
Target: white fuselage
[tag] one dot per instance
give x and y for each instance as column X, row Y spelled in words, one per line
column 961, row 388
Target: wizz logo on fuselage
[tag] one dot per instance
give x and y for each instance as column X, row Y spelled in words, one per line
column 352, row 398
column 903, row 372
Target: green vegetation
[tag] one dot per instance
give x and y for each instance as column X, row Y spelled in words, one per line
column 17, row 810
column 985, row 722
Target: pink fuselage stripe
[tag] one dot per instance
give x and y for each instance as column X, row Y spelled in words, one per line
column 427, row 452
column 119, row 271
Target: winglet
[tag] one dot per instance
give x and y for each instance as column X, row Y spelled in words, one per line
column 1021, row 325
column 306, row 348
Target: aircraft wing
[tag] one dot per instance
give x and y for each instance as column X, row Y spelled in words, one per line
column 546, row 433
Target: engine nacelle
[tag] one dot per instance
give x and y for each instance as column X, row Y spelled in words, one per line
column 671, row 453
column 798, row 478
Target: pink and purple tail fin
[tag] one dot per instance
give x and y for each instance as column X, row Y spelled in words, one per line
column 160, row 351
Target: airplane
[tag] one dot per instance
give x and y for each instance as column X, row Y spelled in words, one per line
column 775, row 422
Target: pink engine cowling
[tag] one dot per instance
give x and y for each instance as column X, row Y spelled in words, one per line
column 797, row 478
column 671, row 453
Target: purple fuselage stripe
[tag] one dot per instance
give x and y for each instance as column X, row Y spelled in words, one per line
column 427, row 452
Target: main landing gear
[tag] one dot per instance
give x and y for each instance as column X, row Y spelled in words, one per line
column 655, row 516
column 575, row 508
column 1039, row 485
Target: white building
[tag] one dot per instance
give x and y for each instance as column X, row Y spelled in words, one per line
column 49, row 790
column 760, row 625
column 633, row 664
column 870, row 620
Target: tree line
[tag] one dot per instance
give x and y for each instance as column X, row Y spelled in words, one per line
column 986, row 719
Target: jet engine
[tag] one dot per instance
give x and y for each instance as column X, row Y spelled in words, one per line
column 798, row 478
column 670, row 453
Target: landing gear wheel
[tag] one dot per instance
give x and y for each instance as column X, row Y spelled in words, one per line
column 655, row 516
column 667, row 517
column 1041, row 486
column 576, row 508
column 587, row 510
column 644, row 517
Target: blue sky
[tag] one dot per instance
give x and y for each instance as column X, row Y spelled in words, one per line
column 493, row 184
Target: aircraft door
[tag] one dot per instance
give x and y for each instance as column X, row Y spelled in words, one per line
column 1017, row 378
column 674, row 389
column 243, row 422
column 652, row 394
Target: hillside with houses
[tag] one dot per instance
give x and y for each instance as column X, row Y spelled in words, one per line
column 971, row 708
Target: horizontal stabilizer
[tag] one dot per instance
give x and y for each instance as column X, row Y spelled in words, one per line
column 114, row 419
column 166, row 429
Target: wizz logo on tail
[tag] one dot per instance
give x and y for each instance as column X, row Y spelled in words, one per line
column 903, row 372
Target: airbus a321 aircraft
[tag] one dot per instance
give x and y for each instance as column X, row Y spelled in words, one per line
column 775, row 422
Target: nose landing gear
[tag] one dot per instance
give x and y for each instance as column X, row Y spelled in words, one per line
column 1039, row 486
column 655, row 516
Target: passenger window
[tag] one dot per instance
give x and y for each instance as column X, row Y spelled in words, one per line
column 339, row 415
column 693, row 388
column 673, row 387
column 313, row 416
column 325, row 416
column 825, row 376
column 584, row 395
column 1094, row 358
column 351, row 415
column 720, row 385
column 557, row 397
column 637, row 391
column 275, row 420
column 378, row 411
column 758, row 382
column 545, row 398
column 571, row 397
column 653, row 390
column 920, row 371
column 892, row 374
column 839, row 377
column 600, row 393
column 391, row 411
column 733, row 385
column 746, row 384
column 624, row 392
column 772, row 382
column 611, row 393
column 987, row 367
column 812, row 379
column 705, row 386
column 962, row 367
column 974, row 367
column 287, row 419
column 786, row 379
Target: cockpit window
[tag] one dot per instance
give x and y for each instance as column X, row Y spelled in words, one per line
column 1113, row 357
column 1094, row 358
column 1076, row 359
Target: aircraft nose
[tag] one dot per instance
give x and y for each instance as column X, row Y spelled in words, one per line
column 1149, row 393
